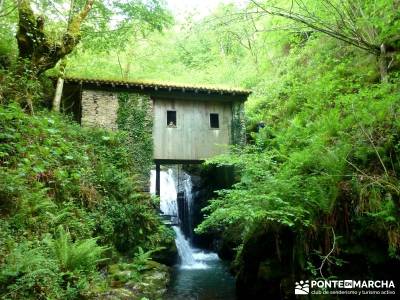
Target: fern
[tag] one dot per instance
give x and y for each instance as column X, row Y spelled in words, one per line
column 141, row 257
column 81, row 255
column 26, row 268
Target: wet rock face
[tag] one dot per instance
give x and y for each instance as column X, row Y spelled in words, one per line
column 270, row 263
column 228, row 243
column 206, row 180
column 265, row 266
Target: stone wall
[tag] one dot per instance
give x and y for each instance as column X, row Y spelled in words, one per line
column 99, row 108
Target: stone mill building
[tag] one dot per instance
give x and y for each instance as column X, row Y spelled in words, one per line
column 190, row 123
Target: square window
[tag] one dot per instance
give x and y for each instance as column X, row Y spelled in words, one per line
column 171, row 118
column 214, row 120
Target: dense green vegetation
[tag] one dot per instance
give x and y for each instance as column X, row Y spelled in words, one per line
column 135, row 119
column 326, row 159
column 75, row 220
column 319, row 173
column 70, row 203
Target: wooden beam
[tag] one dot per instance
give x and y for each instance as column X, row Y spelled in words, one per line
column 158, row 170
column 177, row 161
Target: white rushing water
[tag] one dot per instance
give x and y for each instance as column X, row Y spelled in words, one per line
column 191, row 258
column 187, row 187
column 168, row 191
column 186, row 252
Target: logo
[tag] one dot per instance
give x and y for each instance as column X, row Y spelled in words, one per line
column 345, row 287
column 302, row 287
column 348, row 284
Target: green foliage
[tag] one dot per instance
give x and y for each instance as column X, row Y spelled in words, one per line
column 194, row 52
column 36, row 35
column 28, row 272
column 127, row 225
column 122, row 23
column 19, row 84
column 142, row 258
column 68, row 197
column 135, row 118
column 82, row 255
column 328, row 156
column 8, row 47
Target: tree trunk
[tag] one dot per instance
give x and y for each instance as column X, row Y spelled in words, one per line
column 35, row 45
column 40, row 50
column 57, row 96
column 383, row 64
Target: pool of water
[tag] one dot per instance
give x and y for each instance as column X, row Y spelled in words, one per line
column 199, row 275
column 208, row 279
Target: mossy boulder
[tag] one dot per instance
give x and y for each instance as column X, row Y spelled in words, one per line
column 130, row 281
column 117, row 294
column 169, row 254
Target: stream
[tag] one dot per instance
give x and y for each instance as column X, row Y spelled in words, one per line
column 200, row 274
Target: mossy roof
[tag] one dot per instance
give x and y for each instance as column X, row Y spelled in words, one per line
column 156, row 85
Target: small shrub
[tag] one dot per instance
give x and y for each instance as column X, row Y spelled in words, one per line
column 82, row 255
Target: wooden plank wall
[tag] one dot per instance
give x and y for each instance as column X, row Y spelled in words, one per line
column 192, row 139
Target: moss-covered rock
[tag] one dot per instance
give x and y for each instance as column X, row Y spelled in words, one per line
column 116, row 294
column 132, row 281
column 167, row 253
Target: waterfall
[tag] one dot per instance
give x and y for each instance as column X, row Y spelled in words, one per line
column 184, row 250
column 168, row 203
column 187, row 187
column 188, row 255
column 191, row 258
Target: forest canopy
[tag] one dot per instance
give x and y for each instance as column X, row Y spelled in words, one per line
column 46, row 31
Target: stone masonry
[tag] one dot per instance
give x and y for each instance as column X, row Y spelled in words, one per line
column 99, row 108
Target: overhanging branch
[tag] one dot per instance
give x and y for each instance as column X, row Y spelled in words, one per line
column 310, row 20
column 34, row 44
